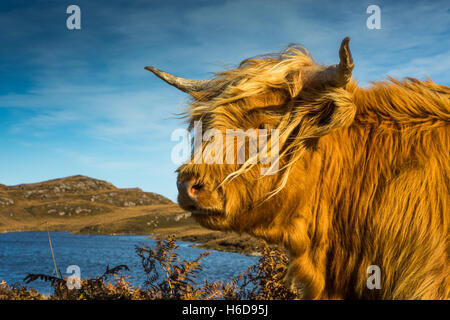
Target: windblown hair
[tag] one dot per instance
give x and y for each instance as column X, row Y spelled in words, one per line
column 388, row 180
column 265, row 90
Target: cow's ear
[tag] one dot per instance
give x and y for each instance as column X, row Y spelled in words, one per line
column 325, row 102
column 326, row 110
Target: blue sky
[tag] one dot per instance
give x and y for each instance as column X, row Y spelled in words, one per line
column 80, row 101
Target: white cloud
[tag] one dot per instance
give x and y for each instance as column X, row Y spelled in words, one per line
column 437, row 65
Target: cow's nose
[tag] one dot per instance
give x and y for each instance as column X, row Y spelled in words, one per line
column 190, row 187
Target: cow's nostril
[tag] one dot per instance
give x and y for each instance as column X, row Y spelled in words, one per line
column 195, row 189
column 190, row 188
column 197, row 186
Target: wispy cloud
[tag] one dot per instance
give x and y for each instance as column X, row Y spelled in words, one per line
column 437, row 65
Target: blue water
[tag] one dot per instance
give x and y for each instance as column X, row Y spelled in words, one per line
column 29, row 252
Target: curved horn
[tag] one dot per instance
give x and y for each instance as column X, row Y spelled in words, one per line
column 338, row 75
column 185, row 85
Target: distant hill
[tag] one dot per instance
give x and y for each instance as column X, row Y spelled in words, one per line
column 81, row 204
column 71, row 197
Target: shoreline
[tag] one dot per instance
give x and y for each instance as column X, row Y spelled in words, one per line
column 222, row 242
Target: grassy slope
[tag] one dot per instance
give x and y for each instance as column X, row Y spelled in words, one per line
column 84, row 205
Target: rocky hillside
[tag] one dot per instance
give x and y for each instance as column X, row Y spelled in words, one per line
column 75, row 196
column 85, row 205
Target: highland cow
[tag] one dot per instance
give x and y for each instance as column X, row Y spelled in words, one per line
column 363, row 176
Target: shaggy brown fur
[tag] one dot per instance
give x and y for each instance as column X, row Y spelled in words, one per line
column 364, row 177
